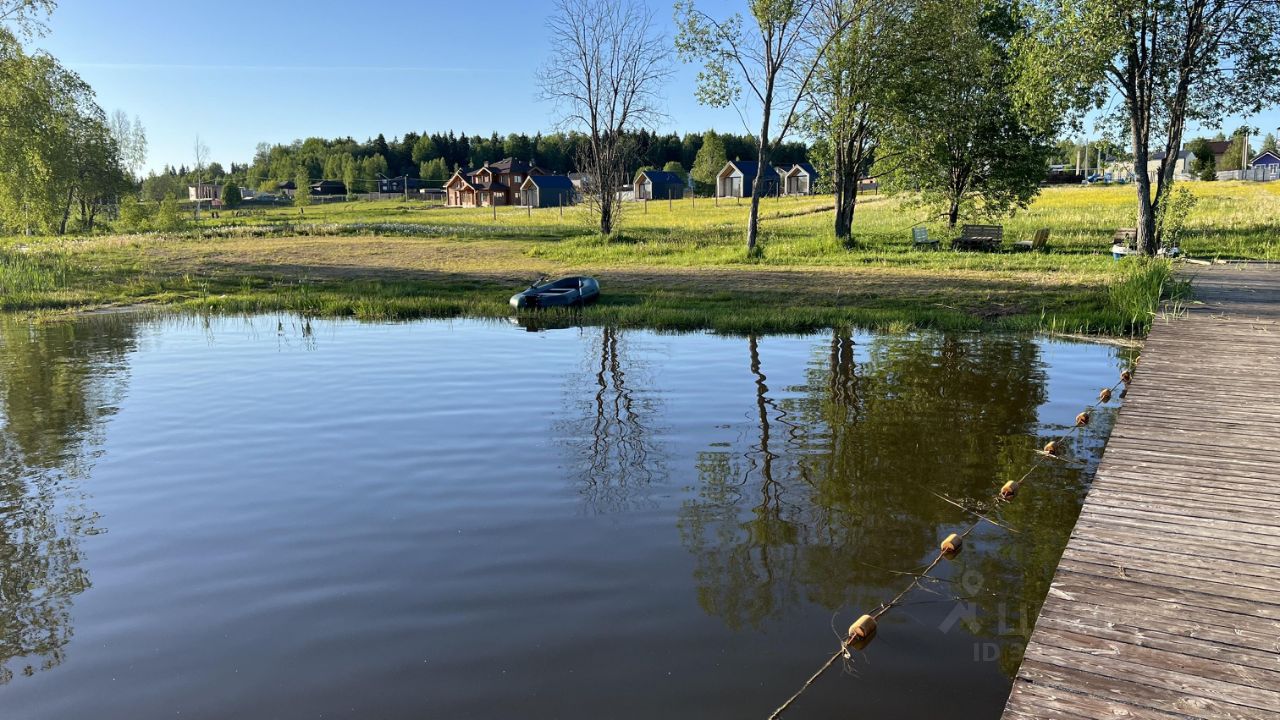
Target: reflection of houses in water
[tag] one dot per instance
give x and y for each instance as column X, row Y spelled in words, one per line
column 611, row 433
column 58, row 384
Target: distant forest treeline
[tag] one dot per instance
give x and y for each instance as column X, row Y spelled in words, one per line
column 437, row 155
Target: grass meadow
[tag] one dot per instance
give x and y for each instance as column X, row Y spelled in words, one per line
column 678, row 265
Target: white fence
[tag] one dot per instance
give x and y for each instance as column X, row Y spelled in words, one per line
column 1257, row 173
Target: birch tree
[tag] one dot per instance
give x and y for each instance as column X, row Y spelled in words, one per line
column 846, row 97
column 1168, row 61
column 771, row 58
column 605, row 76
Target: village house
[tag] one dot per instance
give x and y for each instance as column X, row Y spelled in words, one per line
column 738, row 177
column 493, row 184
column 1267, row 157
column 542, row 191
column 326, row 188
column 659, row 185
column 800, row 179
column 204, row 191
column 1219, row 149
column 1181, row 165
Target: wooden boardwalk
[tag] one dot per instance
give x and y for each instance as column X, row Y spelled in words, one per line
column 1166, row 603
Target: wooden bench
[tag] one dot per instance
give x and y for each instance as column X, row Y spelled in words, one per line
column 979, row 237
column 1126, row 237
column 920, row 236
column 1124, row 242
column 1039, row 241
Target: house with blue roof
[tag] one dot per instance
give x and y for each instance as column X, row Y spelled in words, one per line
column 1267, row 157
column 800, row 179
column 659, row 185
column 738, row 177
column 543, row 191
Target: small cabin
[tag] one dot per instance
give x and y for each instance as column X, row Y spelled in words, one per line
column 328, row 188
column 542, row 191
column 801, row 179
column 738, row 177
column 659, row 185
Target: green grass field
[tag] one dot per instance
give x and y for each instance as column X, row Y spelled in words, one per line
column 672, row 265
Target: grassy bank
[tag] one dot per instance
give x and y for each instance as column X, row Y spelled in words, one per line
column 677, row 267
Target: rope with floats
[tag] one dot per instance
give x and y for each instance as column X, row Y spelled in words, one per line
column 863, row 630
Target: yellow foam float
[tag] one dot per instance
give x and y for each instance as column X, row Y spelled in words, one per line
column 1009, row 490
column 1052, row 448
column 1082, row 419
column 1105, row 395
column 951, row 545
column 862, row 632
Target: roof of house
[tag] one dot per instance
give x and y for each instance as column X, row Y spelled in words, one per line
column 1274, row 155
column 662, row 177
column 806, row 168
column 1218, row 146
column 509, row 165
column 460, row 174
column 748, row 168
column 551, row 182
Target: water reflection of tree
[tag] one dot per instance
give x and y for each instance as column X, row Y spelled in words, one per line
column 836, row 494
column 611, row 432
column 58, row 383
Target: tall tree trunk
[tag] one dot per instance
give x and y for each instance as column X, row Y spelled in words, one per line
column 1139, row 129
column 762, row 164
column 846, row 187
column 66, row 213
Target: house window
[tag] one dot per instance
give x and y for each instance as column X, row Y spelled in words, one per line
column 516, row 178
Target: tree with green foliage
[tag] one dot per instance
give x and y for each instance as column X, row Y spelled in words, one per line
column 57, row 152
column 168, row 216
column 372, row 168
column 774, row 60
column 131, row 138
column 1268, row 143
column 135, row 216
column 350, row 170
column 434, row 170
column 674, row 166
column 708, row 163
column 1202, row 160
column 848, row 95
column 1166, row 61
column 302, row 189
column 1238, row 151
column 950, row 122
column 25, row 18
column 231, row 198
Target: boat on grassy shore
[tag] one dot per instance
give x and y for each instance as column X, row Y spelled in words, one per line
column 574, row 291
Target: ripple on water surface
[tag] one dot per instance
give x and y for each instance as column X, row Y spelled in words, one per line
column 269, row 518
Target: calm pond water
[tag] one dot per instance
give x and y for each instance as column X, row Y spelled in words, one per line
column 267, row 518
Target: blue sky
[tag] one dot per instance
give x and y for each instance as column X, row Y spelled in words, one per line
column 239, row 74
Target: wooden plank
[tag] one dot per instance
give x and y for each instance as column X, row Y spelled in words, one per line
column 1166, row 600
column 1150, row 653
